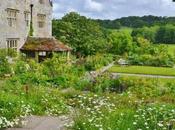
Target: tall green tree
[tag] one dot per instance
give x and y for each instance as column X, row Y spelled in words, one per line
column 148, row 33
column 166, row 34
column 121, row 42
column 84, row 35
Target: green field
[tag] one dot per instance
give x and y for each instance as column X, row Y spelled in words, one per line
column 171, row 49
column 143, row 70
column 151, row 79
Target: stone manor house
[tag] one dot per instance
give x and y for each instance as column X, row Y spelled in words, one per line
column 26, row 25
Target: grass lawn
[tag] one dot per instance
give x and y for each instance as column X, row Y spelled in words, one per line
column 143, row 70
column 158, row 80
column 171, row 49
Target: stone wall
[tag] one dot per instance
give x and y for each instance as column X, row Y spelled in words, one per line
column 20, row 31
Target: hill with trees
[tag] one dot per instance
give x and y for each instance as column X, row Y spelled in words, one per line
column 136, row 21
column 157, row 34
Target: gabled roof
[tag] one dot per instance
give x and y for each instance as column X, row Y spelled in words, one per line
column 44, row 44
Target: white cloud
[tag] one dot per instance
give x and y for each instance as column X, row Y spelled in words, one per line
column 111, row 9
column 55, row 7
column 93, row 5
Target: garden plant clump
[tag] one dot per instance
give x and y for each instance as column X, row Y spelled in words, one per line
column 138, row 107
column 155, row 117
column 6, row 115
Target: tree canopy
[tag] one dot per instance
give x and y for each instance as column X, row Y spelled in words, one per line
column 156, row 34
column 84, row 35
column 121, row 42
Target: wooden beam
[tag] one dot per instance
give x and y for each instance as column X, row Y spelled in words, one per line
column 37, row 56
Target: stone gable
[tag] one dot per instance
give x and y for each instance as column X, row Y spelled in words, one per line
column 15, row 21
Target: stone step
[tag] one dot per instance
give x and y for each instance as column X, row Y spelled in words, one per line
column 44, row 123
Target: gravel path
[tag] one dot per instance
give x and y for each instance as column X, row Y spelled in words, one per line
column 44, row 123
column 90, row 76
column 142, row 75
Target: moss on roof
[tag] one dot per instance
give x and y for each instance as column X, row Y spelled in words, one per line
column 44, row 44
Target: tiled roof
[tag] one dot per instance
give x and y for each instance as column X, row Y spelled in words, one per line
column 44, row 44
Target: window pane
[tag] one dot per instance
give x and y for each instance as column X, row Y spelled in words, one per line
column 11, row 17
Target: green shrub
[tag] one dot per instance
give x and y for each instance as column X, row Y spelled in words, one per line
column 17, row 102
column 158, row 117
column 97, row 61
column 151, row 56
column 4, row 65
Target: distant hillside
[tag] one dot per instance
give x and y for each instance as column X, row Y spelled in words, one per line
column 136, row 21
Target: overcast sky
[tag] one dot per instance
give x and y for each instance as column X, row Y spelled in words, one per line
column 112, row 9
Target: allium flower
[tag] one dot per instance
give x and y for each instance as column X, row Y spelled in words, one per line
column 160, row 124
column 134, row 123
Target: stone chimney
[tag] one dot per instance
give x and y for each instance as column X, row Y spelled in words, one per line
column 31, row 20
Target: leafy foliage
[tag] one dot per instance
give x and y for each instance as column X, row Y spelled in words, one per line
column 84, row 35
column 148, row 54
column 148, row 33
column 166, row 34
column 138, row 50
column 4, row 64
column 136, row 22
column 156, row 34
column 121, row 42
column 97, row 61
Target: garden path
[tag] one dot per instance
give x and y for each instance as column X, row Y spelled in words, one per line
column 115, row 75
column 44, row 123
column 93, row 74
